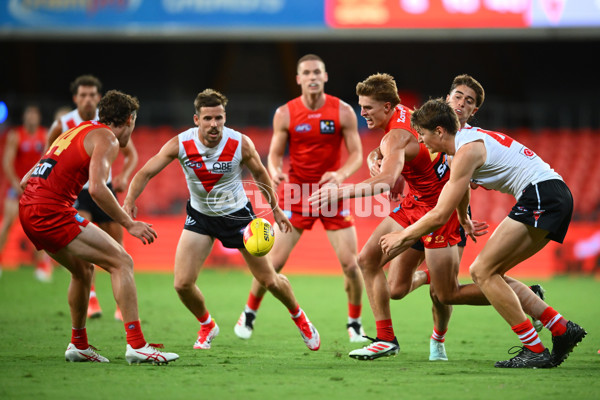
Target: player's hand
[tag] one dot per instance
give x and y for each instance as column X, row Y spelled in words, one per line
column 142, row 231
column 130, row 208
column 397, row 192
column 331, row 177
column 282, row 221
column 119, row 184
column 328, row 193
column 473, row 228
column 374, row 167
column 278, row 178
column 394, row 243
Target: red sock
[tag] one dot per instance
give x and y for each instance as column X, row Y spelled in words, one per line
column 298, row 316
column 428, row 277
column 253, row 302
column 354, row 310
column 385, row 330
column 554, row 321
column 79, row 338
column 528, row 336
column 134, row 335
column 439, row 336
column 206, row 321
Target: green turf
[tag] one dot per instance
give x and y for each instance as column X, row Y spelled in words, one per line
column 275, row 364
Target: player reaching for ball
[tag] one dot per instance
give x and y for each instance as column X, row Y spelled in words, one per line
column 212, row 157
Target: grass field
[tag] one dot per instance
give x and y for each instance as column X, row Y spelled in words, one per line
column 275, row 364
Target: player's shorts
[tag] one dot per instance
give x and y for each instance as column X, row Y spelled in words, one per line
column 303, row 216
column 463, row 237
column 85, row 202
column 409, row 212
column 50, row 227
column 547, row 205
column 229, row 229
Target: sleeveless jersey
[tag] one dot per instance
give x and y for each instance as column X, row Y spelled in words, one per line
column 315, row 139
column 509, row 166
column 29, row 150
column 71, row 120
column 427, row 173
column 213, row 174
column 62, row 171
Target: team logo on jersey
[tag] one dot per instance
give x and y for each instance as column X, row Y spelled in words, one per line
column 303, row 128
column 527, row 153
column 327, row 126
column 43, row 169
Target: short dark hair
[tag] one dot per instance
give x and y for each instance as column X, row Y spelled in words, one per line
column 115, row 107
column 472, row 83
column 85, row 80
column 434, row 113
column 209, row 98
column 381, row 87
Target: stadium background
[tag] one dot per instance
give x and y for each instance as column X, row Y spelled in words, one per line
column 535, row 58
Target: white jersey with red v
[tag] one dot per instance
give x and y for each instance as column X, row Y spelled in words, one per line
column 213, row 174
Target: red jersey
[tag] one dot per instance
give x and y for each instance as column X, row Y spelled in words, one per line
column 29, row 150
column 315, row 138
column 427, row 173
column 63, row 170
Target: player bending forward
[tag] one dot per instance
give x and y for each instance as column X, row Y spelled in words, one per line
column 84, row 153
column 212, row 157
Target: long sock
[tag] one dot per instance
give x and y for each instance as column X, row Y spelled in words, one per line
column 428, row 276
column 354, row 311
column 385, row 330
column 79, row 338
column 206, row 321
column 134, row 335
column 253, row 303
column 298, row 316
column 554, row 321
column 528, row 336
column 439, row 336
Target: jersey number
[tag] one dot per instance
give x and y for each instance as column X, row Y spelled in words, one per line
column 504, row 140
column 63, row 141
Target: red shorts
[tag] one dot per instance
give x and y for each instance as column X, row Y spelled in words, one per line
column 50, row 227
column 409, row 212
column 293, row 200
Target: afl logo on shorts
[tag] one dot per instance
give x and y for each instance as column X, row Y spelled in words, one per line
column 303, row 128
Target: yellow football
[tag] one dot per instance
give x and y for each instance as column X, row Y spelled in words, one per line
column 259, row 237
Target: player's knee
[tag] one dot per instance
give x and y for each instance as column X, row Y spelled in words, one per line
column 352, row 271
column 365, row 261
column 478, row 274
column 398, row 291
column 183, row 286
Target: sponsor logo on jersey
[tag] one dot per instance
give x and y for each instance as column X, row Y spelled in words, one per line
column 43, row 169
column 402, row 116
column 303, row 128
column 327, row 126
column 222, row 167
column 441, row 166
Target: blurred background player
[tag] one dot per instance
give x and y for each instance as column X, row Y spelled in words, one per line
column 316, row 126
column 86, row 90
column 52, row 224
column 24, row 148
column 212, row 157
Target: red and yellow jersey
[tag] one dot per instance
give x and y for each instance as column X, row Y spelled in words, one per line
column 29, row 150
column 63, row 170
column 427, row 173
column 315, row 138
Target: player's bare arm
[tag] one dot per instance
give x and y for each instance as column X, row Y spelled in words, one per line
column 130, row 161
column 8, row 160
column 396, row 146
column 103, row 147
column 374, row 161
column 153, row 166
column 281, row 123
column 353, row 146
column 468, row 158
column 53, row 133
column 251, row 159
